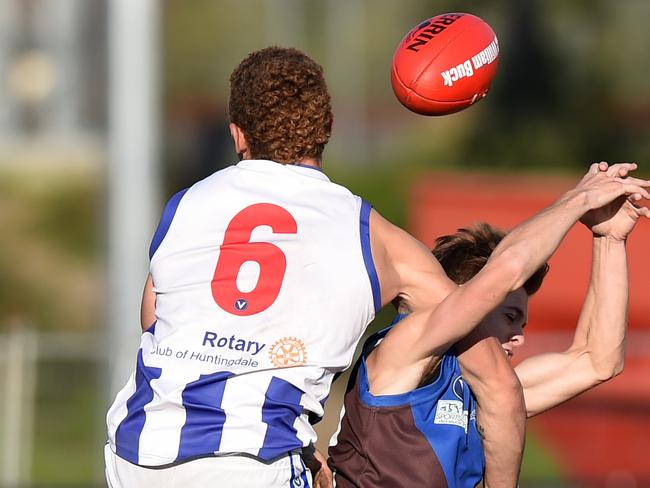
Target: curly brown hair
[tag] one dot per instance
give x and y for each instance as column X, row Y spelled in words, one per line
column 279, row 99
column 464, row 253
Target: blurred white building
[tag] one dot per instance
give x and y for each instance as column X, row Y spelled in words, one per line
column 52, row 77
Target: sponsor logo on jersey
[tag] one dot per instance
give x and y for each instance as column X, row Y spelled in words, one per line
column 451, row 412
column 288, row 352
column 458, row 387
column 296, row 482
column 212, row 339
column 241, row 304
column 233, row 351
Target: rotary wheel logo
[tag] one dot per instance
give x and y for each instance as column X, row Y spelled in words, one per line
column 288, row 352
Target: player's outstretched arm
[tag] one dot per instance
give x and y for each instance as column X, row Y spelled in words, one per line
column 488, row 372
column 542, row 233
column 409, row 271
column 597, row 352
column 430, row 333
column 414, row 341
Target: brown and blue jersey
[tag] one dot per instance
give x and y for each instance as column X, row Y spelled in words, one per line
column 426, row 437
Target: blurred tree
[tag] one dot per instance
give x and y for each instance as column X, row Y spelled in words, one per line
column 552, row 103
column 529, row 85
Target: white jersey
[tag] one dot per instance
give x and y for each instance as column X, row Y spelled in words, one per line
column 264, row 284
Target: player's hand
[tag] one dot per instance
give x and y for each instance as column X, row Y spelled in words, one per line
column 616, row 219
column 317, row 464
column 324, row 477
column 604, row 183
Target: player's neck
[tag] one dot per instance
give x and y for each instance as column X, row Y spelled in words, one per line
column 312, row 162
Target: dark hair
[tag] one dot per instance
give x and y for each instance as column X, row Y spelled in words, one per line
column 279, row 99
column 464, row 253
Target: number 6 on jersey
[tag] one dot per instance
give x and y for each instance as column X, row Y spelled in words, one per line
column 237, row 250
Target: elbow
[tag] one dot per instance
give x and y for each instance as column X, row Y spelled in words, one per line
column 514, row 395
column 605, row 372
column 510, row 396
column 508, row 404
column 615, row 369
column 512, row 263
column 618, row 368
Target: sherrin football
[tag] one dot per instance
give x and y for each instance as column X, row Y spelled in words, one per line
column 445, row 64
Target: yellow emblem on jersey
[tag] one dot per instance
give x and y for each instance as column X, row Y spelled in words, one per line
column 288, row 352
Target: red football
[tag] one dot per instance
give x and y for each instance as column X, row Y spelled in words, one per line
column 445, row 64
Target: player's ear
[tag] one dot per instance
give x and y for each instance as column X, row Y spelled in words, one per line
column 238, row 137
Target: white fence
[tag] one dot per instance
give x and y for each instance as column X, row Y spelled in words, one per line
column 21, row 349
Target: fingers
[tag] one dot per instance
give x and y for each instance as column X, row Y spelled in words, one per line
column 620, row 169
column 639, row 210
column 642, row 211
column 595, row 168
column 631, row 187
column 617, row 169
column 634, row 188
column 635, row 192
column 614, row 188
column 634, row 181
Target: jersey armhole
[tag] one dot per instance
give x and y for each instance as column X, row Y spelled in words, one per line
column 165, row 222
column 364, row 228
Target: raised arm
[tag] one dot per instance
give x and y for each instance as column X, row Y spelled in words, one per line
column 398, row 362
column 407, row 269
column 521, row 252
column 597, row 352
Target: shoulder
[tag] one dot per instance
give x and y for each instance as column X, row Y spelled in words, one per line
column 406, row 267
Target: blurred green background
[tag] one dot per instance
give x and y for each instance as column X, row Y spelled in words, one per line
column 572, row 88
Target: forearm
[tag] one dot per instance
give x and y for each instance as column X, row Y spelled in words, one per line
column 504, row 435
column 597, row 352
column 581, row 334
column 608, row 321
column 531, row 243
column 500, row 412
column 526, row 248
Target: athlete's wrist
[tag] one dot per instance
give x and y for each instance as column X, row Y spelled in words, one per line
column 576, row 202
column 610, row 239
